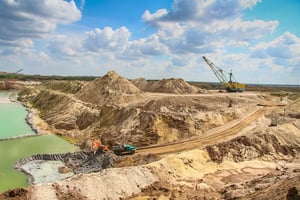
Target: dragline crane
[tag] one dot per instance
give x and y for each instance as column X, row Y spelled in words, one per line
column 18, row 71
column 230, row 86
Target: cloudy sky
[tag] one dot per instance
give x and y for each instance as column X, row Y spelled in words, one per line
column 259, row 40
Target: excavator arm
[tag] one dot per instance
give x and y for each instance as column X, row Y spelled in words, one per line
column 230, row 86
column 216, row 70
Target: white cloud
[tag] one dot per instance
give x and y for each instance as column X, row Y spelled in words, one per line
column 283, row 51
column 150, row 46
column 29, row 19
column 199, row 26
column 199, row 38
column 62, row 46
column 284, row 47
column 22, row 43
column 183, row 61
column 202, row 11
column 106, row 39
column 16, row 51
column 248, row 3
column 106, row 42
column 250, row 30
column 151, row 18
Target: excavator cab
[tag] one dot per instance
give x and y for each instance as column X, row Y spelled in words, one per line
column 129, row 148
column 96, row 146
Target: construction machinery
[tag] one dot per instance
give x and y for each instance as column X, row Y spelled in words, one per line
column 96, row 146
column 18, row 71
column 230, row 86
column 123, row 149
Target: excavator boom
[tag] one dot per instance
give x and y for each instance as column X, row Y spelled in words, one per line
column 216, row 70
column 230, row 86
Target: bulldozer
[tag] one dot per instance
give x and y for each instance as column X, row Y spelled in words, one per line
column 230, row 86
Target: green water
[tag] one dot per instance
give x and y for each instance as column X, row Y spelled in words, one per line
column 12, row 118
column 13, row 150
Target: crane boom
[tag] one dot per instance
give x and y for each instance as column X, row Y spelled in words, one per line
column 216, row 70
column 230, row 86
column 18, row 71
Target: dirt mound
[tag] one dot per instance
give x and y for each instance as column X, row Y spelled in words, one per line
column 175, row 86
column 116, row 183
column 140, row 83
column 70, row 193
column 107, row 89
column 281, row 183
column 246, row 148
column 283, row 189
column 163, row 190
column 15, row 194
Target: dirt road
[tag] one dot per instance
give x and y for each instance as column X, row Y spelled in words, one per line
column 212, row 136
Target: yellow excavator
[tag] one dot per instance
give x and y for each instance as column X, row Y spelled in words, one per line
column 230, row 86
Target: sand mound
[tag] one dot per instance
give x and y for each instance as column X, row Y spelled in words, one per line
column 141, row 83
column 109, row 88
column 176, row 86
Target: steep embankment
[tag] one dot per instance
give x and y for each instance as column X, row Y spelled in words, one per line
column 11, row 85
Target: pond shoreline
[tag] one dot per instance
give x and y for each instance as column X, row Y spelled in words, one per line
column 37, row 170
column 20, row 136
column 38, row 125
column 44, row 171
column 37, row 159
column 29, row 119
column 27, row 164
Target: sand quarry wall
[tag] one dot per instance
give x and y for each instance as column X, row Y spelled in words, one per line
column 155, row 121
column 112, row 109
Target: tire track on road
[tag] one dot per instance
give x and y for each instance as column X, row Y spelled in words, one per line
column 210, row 137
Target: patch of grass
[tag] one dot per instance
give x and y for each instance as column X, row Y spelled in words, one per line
column 24, row 77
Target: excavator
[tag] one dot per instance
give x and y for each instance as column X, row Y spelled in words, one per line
column 96, row 146
column 123, row 149
column 230, row 86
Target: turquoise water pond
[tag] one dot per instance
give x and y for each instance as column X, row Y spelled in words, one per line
column 12, row 117
column 12, row 123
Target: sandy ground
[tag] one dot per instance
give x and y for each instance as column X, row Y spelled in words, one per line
column 187, row 175
column 246, row 155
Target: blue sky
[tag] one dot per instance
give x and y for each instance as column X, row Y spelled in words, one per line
column 259, row 40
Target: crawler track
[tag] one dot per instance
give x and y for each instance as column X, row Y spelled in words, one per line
column 212, row 136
